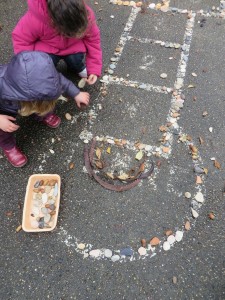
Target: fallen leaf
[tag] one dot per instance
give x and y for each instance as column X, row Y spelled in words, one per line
column 211, row 216
column 9, row 213
column 110, row 175
column 18, row 228
column 201, row 140
column 139, row 155
column 217, row 164
column 163, row 128
column 108, row 150
column 198, row 180
column 154, row 241
column 98, row 153
column 168, row 232
column 71, row 165
column 187, row 225
column 205, row 170
column 99, row 164
column 193, row 149
column 123, row 176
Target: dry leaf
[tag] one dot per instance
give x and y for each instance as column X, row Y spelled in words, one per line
column 168, row 232
column 194, row 149
column 142, row 167
column 18, row 228
column 198, row 180
column 99, row 164
column 205, row 170
column 187, row 225
column 123, row 176
column 139, row 155
column 108, row 150
column 98, row 153
column 9, row 213
column 154, row 241
column 71, row 165
column 110, row 175
column 217, row 164
column 201, row 140
column 163, row 128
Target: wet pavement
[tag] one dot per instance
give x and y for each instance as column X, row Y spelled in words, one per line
column 134, row 104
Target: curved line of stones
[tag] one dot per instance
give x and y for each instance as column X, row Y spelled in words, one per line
column 87, row 249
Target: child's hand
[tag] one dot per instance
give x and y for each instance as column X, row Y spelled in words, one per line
column 82, row 99
column 6, row 124
column 91, row 79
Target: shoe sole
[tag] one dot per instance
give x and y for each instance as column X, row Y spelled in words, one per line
column 17, row 165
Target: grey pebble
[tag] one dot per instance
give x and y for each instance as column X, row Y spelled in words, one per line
column 126, row 251
column 198, row 170
column 115, row 258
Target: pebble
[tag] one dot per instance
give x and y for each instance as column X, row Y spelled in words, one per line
column 34, row 224
column 163, row 75
column 210, row 129
column 81, row 246
column 187, row 195
column 152, row 5
column 36, row 185
column 44, row 198
column 95, row 253
column 44, row 210
column 179, row 235
column 110, row 71
column 142, row 251
column 174, row 280
column 108, row 253
column 171, row 239
column 126, row 252
column 198, row 170
column 199, row 197
column 115, row 258
column 194, row 213
column 47, row 218
column 112, row 66
column 166, row 246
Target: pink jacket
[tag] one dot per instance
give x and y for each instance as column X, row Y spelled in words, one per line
column 34, row 32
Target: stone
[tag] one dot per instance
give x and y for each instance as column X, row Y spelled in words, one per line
column 81, row 246
column 171, row 239
column 112, row 66
column 52, row 207
column 47, row 218
column 34, row 224
column 115, row 258
column 187, row 195
column 36, row 185
column 108, row 253
column 198, row 170
column 47, row 189
column 152, row 6
column 154, row 241
column 199, row 197
column 110, row 71
column 166, row 246
column 174, row 280
column 95, row 253
column 44, row 198
column 142, row 251
column 143, row 243
column 187, row 225
column 44, row 210
column 126, row 251
column 179, row 235
column 194, row 213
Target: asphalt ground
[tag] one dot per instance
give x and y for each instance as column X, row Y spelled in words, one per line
column 49, row 265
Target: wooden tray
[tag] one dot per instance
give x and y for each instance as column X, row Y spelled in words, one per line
column 34, row 198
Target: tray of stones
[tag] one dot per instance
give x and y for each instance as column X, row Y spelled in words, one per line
column 41, row 206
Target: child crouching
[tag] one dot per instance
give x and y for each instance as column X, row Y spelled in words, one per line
column 30, row 84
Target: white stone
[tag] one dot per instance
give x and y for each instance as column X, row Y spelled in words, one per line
column 44, row 198
column 108, row 253
column 199, row 197
column 95, row 253
column 115, row 258
column 142, row 251
column 171, row 239
column 152, row 5
column 179, row 235
column 81, row 246
column 194, row 213
column 163, row 75
column 210, row 129
column 166, row 246
column 187, row 195
column 213, row 158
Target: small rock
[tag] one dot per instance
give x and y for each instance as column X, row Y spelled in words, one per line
column 143, row 243
column 179, row 235
column 163, row 75
column 194, row 213
column 142, row 251
column 152, row 5
column 166, row 246
column 198, row 170
column 108, row 253
column 211, row 216
column 199, row 197
column 68, row 116
column 95, row 253
column 115, row 258
column 154, row 241
column 81, row 246
column 174, row 280
column 210, row 129
column 187, row 225
column 171, row 239
column 187, row 195
column 126, row 252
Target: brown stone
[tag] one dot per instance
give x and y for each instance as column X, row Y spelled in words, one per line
column 154, row 241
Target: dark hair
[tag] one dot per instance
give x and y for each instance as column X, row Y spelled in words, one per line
column 69, row 17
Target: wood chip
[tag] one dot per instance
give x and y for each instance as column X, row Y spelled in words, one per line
column 217, row 164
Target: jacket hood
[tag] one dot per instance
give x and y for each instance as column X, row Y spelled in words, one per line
column 39, row 9
column 30, row 76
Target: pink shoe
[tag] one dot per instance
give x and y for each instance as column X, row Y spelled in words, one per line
column 15, row 157
column 52, row 121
